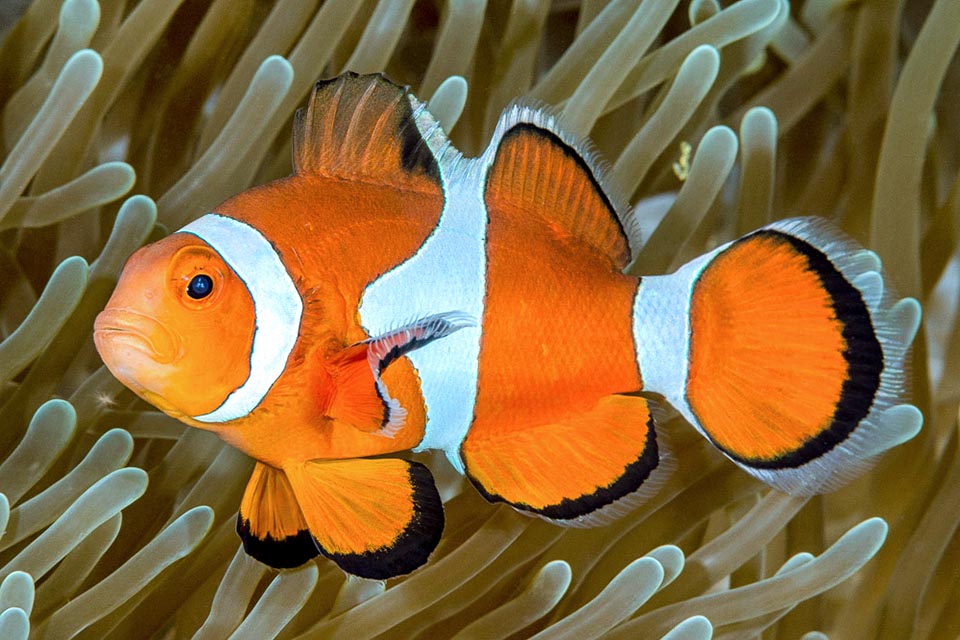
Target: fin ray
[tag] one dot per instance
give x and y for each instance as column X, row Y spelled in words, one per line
column 365, row 127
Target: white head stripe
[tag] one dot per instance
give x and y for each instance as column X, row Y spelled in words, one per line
column 276, row 304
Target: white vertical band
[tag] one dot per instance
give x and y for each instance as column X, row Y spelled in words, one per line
column 277, row 307
column 446, row 274
column 661, row 333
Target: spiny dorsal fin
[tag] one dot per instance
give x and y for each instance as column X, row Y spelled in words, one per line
column 366, row 127
column 539, row 169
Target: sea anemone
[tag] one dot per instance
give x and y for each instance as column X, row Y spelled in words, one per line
column 118, row 522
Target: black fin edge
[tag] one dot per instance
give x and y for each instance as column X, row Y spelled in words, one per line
column 413, row 546
column 287, row 553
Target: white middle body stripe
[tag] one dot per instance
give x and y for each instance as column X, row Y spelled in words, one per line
column 447, row 274
column 277, row 306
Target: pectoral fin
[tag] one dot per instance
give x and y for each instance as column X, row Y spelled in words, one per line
column 361, row 398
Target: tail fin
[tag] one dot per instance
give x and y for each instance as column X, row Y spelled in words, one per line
column 787, row 349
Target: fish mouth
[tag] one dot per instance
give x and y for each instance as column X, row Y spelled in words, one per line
column 126, row 327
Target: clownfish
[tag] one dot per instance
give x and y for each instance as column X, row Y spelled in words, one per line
column 392, row 294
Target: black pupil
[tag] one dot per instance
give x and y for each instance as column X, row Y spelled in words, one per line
column 200, row 286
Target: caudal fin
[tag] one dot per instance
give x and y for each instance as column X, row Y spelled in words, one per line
column 787, row 349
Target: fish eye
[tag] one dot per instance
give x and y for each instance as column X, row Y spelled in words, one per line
column 200, row 286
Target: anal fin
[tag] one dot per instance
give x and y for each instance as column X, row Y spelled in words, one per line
column 585, row 470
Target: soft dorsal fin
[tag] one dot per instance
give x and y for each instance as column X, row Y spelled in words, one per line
column 539, row 170
column 366, row 127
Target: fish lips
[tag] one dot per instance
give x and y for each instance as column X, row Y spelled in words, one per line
column 122, row 327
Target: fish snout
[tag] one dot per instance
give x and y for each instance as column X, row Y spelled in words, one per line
column 121, row 327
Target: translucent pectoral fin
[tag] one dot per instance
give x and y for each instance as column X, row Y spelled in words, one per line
column 361, row 397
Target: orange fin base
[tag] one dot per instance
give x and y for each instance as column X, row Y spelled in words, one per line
column 536, row 172
column 270, row 523
column 359, row 399
column 376, row 518
column 366, row 127
column 582, row 471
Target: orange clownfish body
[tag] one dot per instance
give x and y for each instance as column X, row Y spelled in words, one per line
column 392, row 295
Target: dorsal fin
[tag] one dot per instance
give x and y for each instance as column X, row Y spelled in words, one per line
column 366, row 127
column 539, row 169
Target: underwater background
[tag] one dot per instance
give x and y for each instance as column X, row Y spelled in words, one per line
column 122, row 120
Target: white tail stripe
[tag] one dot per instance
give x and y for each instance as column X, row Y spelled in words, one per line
column 277, row 307
column 661, row 333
